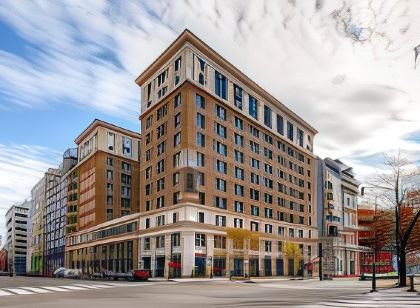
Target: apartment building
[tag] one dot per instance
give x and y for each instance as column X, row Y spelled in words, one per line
column 42, row 194
column 227, row 172
column 55, row 213
column 17, row 236
column 104, row 185
column 337, row 218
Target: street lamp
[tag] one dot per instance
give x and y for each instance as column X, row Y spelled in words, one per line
column 373, row 244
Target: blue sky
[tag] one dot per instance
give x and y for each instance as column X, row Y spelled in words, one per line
column 346, row 67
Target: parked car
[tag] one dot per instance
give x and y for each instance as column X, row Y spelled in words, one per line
column 141, row 274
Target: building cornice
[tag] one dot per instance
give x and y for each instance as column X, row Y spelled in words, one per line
column 99, row 123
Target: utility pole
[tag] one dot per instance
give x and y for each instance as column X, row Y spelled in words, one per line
column 320, row 260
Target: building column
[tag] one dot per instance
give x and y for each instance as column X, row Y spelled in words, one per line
column 188, row 253
column 210, row 254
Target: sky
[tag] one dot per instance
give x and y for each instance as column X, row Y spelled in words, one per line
column 347, row 67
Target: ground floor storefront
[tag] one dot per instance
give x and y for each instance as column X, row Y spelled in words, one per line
column 117, row 257
column 200, row 253
column 54, row 259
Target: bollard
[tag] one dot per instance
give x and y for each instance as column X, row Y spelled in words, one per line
column 411, row 283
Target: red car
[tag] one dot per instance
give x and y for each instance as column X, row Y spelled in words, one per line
column 141, row 274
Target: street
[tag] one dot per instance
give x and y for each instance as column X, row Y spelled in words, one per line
column 45, row 292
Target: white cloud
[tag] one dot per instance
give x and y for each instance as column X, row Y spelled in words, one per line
column 347, row 67
column 21, row 167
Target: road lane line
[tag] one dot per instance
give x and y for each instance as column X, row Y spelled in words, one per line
column 58, row 289
column 87, row 286
column 36, row 290
column 73, row 287
column 20, row 291
column 4, row 293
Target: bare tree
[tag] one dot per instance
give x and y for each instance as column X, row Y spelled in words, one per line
column 394, row 188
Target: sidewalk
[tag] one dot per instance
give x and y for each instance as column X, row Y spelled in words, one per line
column 189, row 279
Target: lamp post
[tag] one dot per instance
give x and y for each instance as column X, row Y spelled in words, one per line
column 374, row 272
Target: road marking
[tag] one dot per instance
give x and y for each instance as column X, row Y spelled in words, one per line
column 56, row 289
column 4, row 293
column 36, row 290
column 87, row 286
column 20, row 291
column 102, row 286
column 73, row 287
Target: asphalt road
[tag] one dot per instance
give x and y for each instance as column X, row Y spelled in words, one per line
column 62, row 293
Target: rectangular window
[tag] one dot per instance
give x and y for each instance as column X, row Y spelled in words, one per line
column 255, row 210
column 220, row 184
column 177, row 139
column 300, row 137
column 160, row 202
column 175, row 238
column 177, row 100
column 238, row 96
column 238, row 223
column 175, row 178
column 220, row 112
column 175, row 197
column 200, row 102
column 220, row 221
column 267, row 116
column 239, row 140
column 146, row 243
column 239, row 123
column 200, row 240
column 220, row 202
column 290, row 131
column 201, row 140
column 254, row 226
column 161, row 148
column 177, row 120
column 239, row 156
column 267, row 246
column 111, row 141
column 200, row 178
column 221, row 166
column 280, row 125
column 200, row 159
column 220, row 130
column 201, row 217
column 268, row 228
column 201, row 121
column 239, row 190
column 178, row 64
column 281, row 231
column 220, row 85
column 239, row 173
column 219, row 242
column 252, row 107
column 220, row 148
column 239, row 206
column 161, row 112
column 160, row 166
column 160, row 241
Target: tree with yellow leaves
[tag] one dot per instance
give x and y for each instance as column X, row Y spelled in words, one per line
column 292, row 251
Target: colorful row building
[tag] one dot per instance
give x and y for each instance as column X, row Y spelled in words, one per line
column 223, row 180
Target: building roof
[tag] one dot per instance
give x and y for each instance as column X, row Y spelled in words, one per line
column 96, row 123
column 188, row 36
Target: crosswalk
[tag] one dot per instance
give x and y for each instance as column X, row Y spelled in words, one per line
column 385, row 298
column 63, row 288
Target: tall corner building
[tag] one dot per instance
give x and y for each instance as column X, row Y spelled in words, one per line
column 227, row 172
